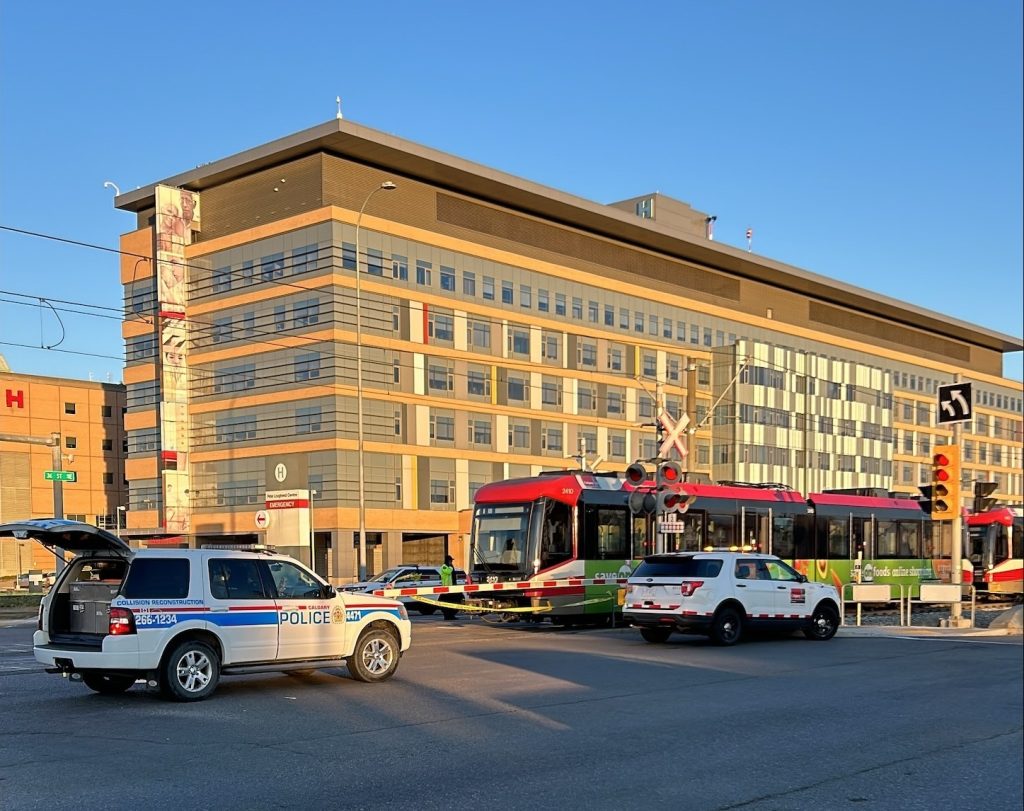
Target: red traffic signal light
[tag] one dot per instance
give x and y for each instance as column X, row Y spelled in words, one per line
column 945, row 482
column 669, row 473
column 669, row 500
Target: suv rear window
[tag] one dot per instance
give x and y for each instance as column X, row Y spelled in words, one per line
column 678, row 567
column 153, row 578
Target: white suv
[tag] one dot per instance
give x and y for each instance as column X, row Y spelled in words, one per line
column 720, row 593
column 411, row 575
column 179, row 618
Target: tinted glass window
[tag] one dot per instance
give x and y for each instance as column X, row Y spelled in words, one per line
column 153, row 578
column 679, row 567
column 236, row 579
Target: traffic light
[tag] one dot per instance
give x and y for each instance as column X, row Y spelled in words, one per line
column 642, row 502
column 636, row 474
column 669, row 500
column 945, row 482
column 983, row 502
column 925, row 502
column 669, row 473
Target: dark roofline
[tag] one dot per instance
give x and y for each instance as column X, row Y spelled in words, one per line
column 372, row 147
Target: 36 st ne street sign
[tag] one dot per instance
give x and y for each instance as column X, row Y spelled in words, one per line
column 60, row 475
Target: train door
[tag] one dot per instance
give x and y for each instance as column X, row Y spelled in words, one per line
column 862, row 548
column 756, row 528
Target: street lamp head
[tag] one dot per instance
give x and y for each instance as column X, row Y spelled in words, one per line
column 387, row 185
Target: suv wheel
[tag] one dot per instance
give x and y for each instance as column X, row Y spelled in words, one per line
column 426, row 610
column 656, row 635
column 375, row 657
column 107, row 685
column 726, row 627
column 191, row 672
column 824, row 624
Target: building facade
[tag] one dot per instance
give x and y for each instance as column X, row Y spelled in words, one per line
column 87, row 420
column 502, row 328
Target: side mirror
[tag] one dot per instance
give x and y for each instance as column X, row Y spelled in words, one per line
column 801, row 578
column 327, row 591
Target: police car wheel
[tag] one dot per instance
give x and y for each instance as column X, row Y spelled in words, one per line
column 191, row 672
column 656, row 635
column 107, row 685
column 375, row 657
column 726, row 627
column 824, row 624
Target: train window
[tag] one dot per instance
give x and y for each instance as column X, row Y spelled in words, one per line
column 721, row 529
column 910, row 540
column 642, row 543
column 606, row 533
column 556, row 541
column 885, row 543
column 838, row 539
column 783, row 543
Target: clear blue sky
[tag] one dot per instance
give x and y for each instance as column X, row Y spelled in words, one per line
column 879, row 143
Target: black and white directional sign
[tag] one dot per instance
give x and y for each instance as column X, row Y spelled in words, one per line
column 954, row 403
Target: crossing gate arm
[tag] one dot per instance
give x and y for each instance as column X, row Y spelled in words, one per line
column 518, row 585
column 871, row 593
column 939, row 594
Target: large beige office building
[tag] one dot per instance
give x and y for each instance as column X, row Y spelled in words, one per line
column 85, row 418
column 503, row 327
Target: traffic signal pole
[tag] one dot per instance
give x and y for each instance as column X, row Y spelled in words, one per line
column 956, row 552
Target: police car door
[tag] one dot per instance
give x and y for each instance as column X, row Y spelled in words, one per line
column 242, row 608
column 790, row 593
column 306, row 627
column 756, row 593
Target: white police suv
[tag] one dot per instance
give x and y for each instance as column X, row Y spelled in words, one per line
column 721, row 593
column 180, row 618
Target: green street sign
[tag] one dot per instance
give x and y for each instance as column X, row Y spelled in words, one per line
column 60, row 475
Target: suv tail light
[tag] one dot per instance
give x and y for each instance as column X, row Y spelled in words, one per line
column 122, row 621
column 688, row 587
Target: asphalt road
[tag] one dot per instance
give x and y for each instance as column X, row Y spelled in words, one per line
column 497, row 716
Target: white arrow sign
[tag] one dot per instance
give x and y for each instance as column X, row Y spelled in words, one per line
column 954, row 403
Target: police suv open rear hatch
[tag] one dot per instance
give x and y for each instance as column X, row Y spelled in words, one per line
column 71, row 536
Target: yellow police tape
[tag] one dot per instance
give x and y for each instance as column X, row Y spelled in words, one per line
column 479, row 609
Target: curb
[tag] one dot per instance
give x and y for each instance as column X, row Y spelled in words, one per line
column 920, row 630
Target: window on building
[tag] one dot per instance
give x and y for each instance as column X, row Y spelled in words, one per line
column 304, row 259
column 441, row 327
column 550, row 393
column 586, row 399
column 559, row 303
column 488, row 289
column 519, row 341
column 478, row 334
column 222, row 280
column 507, row 293
column 478, row 383
column 280, row 317
column 587, row 354
column 551, row 439
column 70, row 442
column 106, row 411
column 399, row 267
column 374, row 262
column 448, row 279
column 108, row 478
column 440, row 378
column 308, row 420
column 107, row 444
column 543, row 303
column 70, row 408
column 423, row 271
column 442, row 428
column 480, row 432
column 519, row 435
column 550, row 347
column 221, row 330
column 518, row 388
column 272, row 267
column 307, row 366
column 577, row 308
column 468, row 283
column 305, row 313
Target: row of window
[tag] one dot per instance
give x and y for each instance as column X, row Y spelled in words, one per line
column 106, row 411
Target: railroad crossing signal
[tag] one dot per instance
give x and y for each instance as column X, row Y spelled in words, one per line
column 945, row 482
column 955, row 403
column 60, row 476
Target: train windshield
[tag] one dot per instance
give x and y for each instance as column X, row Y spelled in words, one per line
column 501, row 534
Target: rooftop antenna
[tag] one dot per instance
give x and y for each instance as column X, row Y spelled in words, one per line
column 337, row 100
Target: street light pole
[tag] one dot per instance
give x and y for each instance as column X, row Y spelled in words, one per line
column 120, row 511
column 387, row 185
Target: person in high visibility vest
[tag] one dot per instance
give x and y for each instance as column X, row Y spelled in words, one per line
column 448, row 579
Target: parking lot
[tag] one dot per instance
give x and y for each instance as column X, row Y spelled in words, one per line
column 520, row 716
